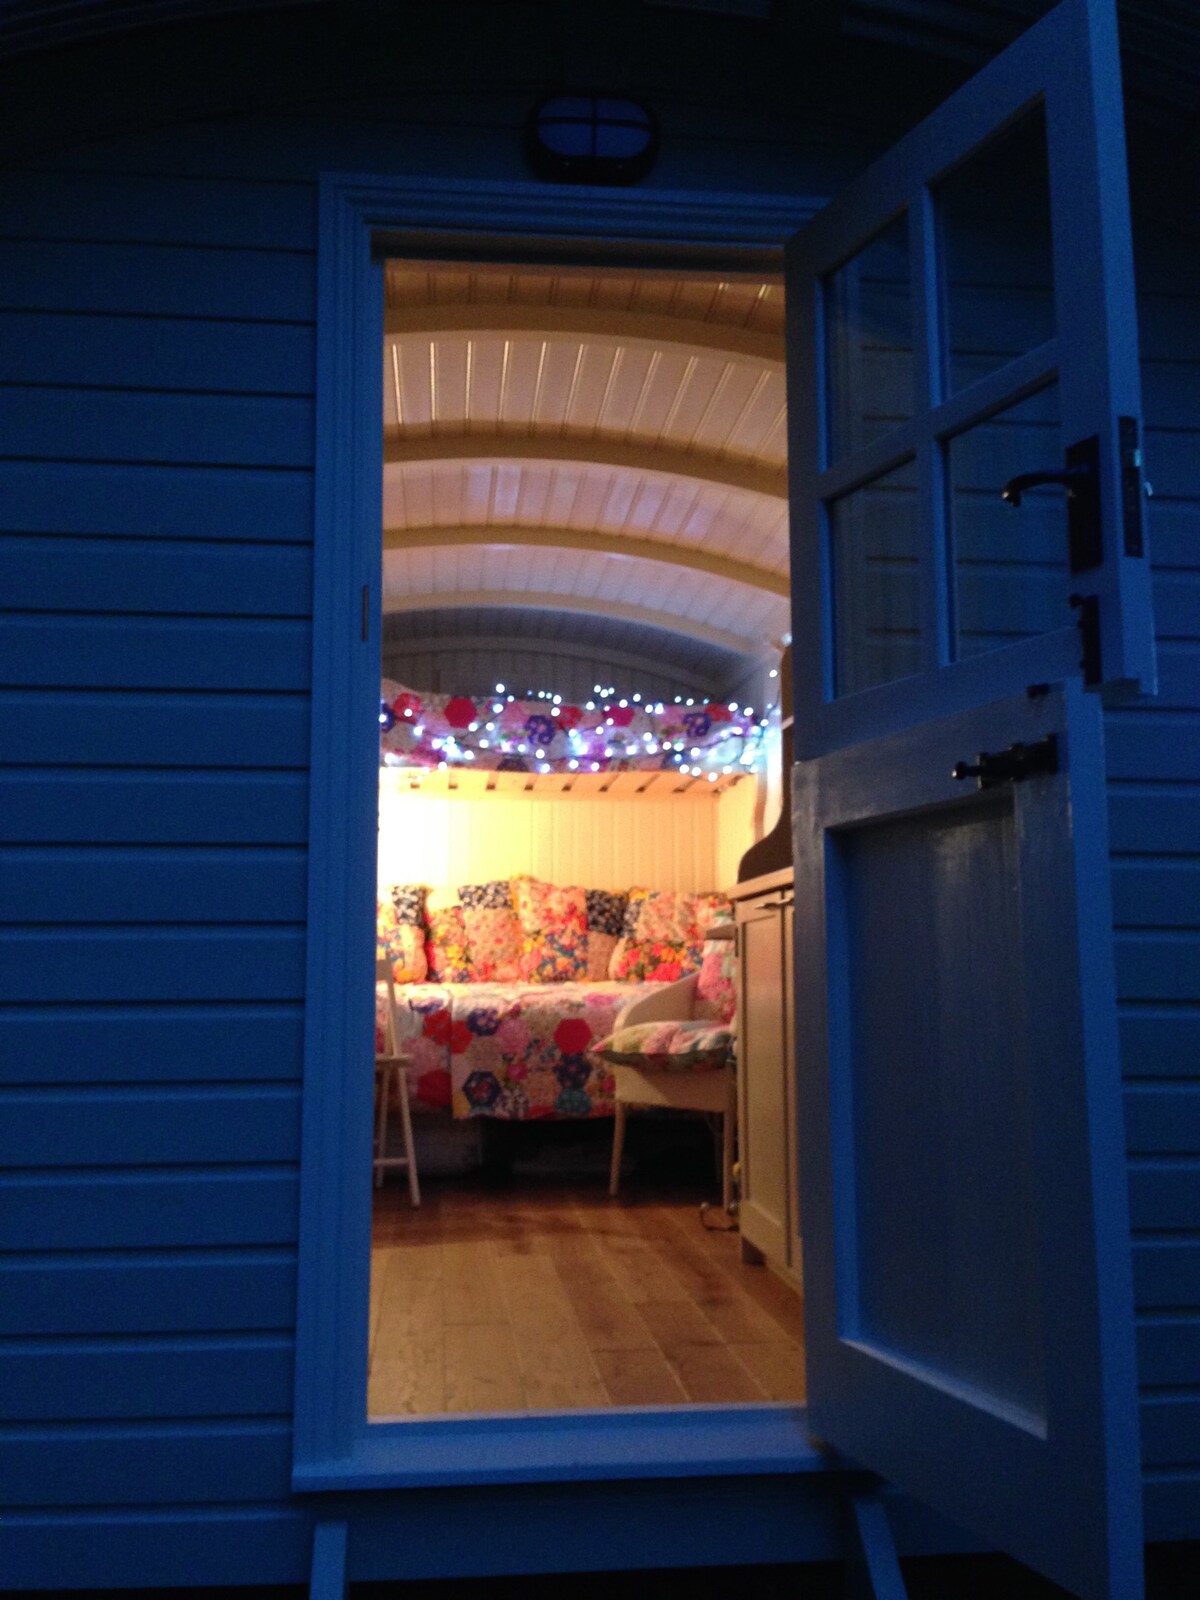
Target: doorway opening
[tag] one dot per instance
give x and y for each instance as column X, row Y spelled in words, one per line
column 585, row 599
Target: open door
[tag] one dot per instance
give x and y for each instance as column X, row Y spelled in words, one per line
column 963, row 335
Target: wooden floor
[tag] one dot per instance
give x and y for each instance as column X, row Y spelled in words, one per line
column 545, row 1294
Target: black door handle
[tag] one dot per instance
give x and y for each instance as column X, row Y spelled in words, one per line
column 1069, row 476
column 1009, row 766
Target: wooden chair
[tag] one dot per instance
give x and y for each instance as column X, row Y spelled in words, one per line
column 713, row 1091
column 391, row 1069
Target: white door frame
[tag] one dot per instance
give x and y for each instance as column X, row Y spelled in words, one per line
column 361, row 219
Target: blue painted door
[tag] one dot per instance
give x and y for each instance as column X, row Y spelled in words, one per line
column 963, row 318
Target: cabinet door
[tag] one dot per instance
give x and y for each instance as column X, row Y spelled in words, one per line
column 766, row 1093
column 795, row 1256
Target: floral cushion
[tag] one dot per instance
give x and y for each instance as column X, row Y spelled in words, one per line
column 667, row 918
column 408, row 901
column 600, row 947
column 447, row 951
column 492, row 929
column 634, row 901
column 400, row 943
column 696, row 1046
column 716, row 991
column 553, row 931
column 495, row 895
column 605, row 911
column 657, row 961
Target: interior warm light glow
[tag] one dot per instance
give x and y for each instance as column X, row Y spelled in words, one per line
column 600, row 841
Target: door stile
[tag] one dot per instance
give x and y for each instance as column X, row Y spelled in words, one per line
column 1085, row 127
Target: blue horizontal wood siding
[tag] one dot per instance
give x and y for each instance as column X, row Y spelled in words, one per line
column 156, row 502
column 156, row 443
column 1154, row 791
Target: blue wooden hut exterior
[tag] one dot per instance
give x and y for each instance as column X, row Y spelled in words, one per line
column 161, row 480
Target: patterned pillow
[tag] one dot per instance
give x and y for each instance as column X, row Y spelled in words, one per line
column 657, row 961
column 667, row 918
column 409, row 902
column 494, row 895
column 716, row 987
column 605, row 911
column 401, row 943
column 696, row 1046
column 605, row 920
column 553, row 931
column 670, row 917
column 447, row 952
column 492, row 930
column 634, row 901
column 600, row 947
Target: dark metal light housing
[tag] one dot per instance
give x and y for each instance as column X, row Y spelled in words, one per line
column 591, row 138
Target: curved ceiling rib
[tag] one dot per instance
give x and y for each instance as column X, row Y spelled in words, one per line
column 498, row 535
column 652, row 328
column 666, row 621
column 495, row 449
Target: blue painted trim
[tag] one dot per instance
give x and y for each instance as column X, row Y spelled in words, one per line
column 583, row 1446
column 328, row 1578
column 334, row 1444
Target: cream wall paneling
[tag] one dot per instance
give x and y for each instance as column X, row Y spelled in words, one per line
column 736, row 831
column 606, row 843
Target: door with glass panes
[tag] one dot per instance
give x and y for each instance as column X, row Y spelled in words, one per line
column 969, row 573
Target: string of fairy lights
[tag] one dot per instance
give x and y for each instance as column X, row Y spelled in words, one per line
column 543, row 731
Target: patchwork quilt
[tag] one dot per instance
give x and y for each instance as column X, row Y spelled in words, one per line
column 509, row 1050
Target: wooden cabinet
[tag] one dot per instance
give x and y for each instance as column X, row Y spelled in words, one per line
column 768, row 1211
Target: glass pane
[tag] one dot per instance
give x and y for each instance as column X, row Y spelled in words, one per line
column 997, row 271
column 868, row 343
column 1010, row 564
column 873, row 570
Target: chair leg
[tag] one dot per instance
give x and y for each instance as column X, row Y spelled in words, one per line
column 381, row 1128
column 414, row 1188
column 614, row 1175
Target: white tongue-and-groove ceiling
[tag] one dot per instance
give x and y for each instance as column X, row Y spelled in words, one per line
column 607, row 447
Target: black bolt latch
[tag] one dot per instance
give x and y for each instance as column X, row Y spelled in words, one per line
column 1010, row 766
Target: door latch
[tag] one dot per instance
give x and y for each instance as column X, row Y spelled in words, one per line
column 1081, row 478
column 1009, row 766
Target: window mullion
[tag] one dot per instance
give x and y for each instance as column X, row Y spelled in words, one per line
column 935, row 586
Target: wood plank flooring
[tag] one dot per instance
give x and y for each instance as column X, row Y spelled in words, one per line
column 546, row 1295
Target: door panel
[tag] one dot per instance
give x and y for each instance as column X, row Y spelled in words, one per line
column 966, row 1242
column 764, row 1144
column 963, row 315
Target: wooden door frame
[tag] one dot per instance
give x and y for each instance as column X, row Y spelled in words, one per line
column 362, row 220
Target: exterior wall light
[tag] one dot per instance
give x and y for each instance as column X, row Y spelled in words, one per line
column 591, row 138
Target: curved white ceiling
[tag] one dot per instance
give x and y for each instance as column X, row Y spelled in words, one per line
column 588, row 441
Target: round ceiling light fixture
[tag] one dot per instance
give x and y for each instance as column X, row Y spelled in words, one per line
column 591, row 138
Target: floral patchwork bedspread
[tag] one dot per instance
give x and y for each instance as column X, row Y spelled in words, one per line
column 510, row 1050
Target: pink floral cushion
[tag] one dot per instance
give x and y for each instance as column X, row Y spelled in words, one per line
column 494, row 938
column 492, row 929
column 554, row 937
column 716, row 987
column 696, row 1046
column 653, row 961
column 400, row 942
column 666, row 916
column 447, row 951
